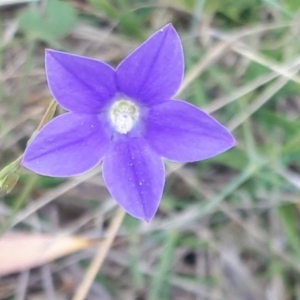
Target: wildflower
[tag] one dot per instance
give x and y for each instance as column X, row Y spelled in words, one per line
column 127, row 118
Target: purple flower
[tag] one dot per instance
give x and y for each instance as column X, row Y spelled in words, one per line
column 127, row 118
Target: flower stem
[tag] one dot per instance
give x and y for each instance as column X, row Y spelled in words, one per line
column 101, row 253
column 10, row 174
column 48, row 115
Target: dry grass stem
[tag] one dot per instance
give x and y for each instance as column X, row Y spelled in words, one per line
column 101, row 253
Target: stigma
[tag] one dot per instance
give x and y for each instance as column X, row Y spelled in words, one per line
column 123, row 115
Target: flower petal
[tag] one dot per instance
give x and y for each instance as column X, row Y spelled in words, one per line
column 180, row 131
column 78, row 83
column 69, row 145
column 154, row 71
column 134, row 175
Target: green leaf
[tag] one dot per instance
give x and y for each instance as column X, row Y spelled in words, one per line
column 56, row 22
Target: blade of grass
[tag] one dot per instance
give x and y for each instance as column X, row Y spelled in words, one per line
column 160, row 286
column 19, row 202
column 289, row 219
column 260, row 101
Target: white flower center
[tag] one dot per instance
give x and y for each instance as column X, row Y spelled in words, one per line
column 123, row 115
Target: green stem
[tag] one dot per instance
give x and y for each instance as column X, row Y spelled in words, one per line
column 19, row 202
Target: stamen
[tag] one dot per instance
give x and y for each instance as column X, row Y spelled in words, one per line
column 124, row 115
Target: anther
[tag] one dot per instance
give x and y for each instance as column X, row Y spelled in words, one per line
column 124, row 115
